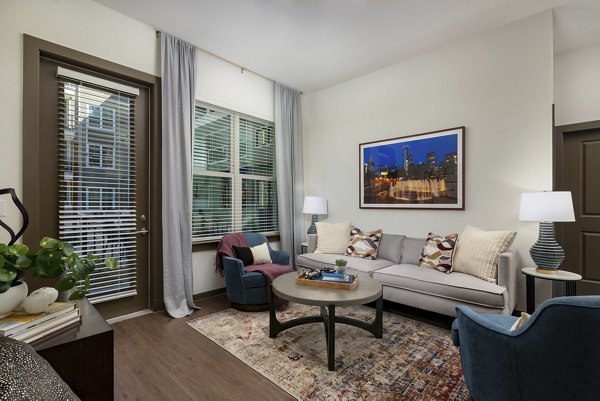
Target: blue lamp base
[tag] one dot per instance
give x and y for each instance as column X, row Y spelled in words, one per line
column 546, row 252
column 312, row 229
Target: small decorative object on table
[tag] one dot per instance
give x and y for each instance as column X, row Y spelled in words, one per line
column 328, row 280
column 340, row 265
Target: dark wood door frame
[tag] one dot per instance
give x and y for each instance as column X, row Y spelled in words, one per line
column 558, row 142
column 33, row 50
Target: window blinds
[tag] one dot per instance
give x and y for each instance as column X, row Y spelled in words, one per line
column 97, row 189
column 234, row 174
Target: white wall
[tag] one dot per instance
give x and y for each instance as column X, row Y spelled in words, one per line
column 577, row 85
column 499, row 85
column 82, row 25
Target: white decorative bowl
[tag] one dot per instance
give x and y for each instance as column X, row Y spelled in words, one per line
column 12, row 298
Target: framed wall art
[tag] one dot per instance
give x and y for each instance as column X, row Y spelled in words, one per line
column 424, row 171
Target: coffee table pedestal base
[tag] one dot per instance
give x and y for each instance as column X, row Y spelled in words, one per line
column 329, row 318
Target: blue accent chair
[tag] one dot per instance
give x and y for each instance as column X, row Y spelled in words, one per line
column 248, row 291
column 555, row 355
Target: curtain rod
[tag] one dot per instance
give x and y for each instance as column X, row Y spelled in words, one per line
column 242, row 68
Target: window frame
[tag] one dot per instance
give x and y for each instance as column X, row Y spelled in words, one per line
column 234, row 174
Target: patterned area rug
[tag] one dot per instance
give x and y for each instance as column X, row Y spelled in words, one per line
column 413, row 361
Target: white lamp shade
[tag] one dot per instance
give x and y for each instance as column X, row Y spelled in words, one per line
column 546, row 206
column 315, row 205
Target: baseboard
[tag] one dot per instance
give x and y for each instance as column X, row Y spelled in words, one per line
column 209, row 294
column 129, row 316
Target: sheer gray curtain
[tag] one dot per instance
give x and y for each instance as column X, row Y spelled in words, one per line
column 290, row 184
column 178, row 72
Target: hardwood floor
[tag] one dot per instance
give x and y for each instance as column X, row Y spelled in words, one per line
column 160, row 358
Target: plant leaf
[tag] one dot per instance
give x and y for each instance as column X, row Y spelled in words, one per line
column 4, row 286
column 18, row 249
column 86, row 284
column 23, row 262
column 2, row 261
column 79, row 294
column 3, row 248
column 7, row 275
column 49, row 264
column 67, row 249
column 65, row 284
column 111, row 263
column 50, row 243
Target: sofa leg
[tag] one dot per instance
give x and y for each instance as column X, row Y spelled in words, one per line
column 250, row 308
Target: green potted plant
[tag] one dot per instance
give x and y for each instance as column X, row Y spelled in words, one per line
column 53, row 259
column 340, row 265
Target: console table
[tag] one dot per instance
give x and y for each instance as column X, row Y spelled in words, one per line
column 83, row 355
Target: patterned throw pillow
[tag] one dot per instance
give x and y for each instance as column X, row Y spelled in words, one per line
column 24, row 375
column 438, row 252
column 363, row 245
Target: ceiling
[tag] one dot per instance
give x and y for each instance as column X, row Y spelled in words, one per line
column 576, row 24
column 314, row 44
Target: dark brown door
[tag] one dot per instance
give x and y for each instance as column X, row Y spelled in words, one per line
column 578, row 153
column 107, row 187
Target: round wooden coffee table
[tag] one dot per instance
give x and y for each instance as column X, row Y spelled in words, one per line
column 366, row 291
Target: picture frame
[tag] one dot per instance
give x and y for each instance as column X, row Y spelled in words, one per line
column 422, row 171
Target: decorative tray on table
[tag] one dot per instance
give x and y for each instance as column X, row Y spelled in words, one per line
column 343, row 281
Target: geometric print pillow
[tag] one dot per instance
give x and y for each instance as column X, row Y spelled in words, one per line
column 438, row 252
column 363, row 245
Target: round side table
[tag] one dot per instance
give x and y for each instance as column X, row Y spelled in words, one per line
column 531, row 273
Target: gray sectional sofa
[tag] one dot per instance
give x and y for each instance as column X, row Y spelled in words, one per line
column 406, row 283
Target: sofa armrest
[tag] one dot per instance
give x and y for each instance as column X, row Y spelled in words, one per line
column 311, row 240
column 508, row 268
column 280, row 257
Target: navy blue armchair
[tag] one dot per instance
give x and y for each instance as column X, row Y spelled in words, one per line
column 555, row 355
column 248, row 291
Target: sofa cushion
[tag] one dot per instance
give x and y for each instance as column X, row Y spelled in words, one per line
column 477, row 252
column 322, row 260
column 332, row 238
column 411, row 250
column 363, row 245
column 456, row 286
column 438, row 252
column 390, row 247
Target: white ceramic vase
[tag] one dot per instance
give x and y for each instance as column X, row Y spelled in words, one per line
column 12, row 298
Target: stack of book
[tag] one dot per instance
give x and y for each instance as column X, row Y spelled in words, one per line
column 28, row 328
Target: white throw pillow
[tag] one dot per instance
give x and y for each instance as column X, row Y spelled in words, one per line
column 520, row 321
column 477, row 252
column 332, row 238
column 260, row 254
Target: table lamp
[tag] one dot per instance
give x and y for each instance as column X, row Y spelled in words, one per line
column 314, row 205
column 547, row 208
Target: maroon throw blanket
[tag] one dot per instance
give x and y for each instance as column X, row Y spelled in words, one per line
column 270, row 270
column 225, row 248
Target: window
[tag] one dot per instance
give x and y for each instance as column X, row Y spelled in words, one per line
column 97, row 189
column 234, row 184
